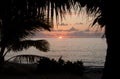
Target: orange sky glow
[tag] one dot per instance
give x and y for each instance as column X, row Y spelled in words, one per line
column 73, row 25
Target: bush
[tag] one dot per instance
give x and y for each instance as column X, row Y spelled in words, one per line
column 46, row 65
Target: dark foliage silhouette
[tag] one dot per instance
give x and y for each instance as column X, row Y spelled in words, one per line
column 14, row 16
column 46, row 65
column 25, row 59
column 18, row 19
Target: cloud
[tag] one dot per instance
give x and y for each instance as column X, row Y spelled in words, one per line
column 63, row 24
column 72, row 29
column 87, row 30
column 72, row 32
column 79, row 23
column 86, row 34
column 69, row 30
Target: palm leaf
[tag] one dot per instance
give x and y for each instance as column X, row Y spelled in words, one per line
column 21, row 18
column 41, row 45
column 27, row 58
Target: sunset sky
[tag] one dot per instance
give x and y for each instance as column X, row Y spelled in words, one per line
column 73, row 25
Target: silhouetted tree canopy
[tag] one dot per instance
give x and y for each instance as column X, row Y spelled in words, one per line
column 20, row 18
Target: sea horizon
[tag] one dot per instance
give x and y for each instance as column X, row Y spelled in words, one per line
column 91, row 51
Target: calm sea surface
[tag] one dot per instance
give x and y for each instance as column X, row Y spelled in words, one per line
column 91, row 51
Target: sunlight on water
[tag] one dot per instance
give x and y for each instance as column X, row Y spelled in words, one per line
column 91, row 51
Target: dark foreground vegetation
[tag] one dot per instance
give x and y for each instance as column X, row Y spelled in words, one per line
column 47, row 65
column 44, row 66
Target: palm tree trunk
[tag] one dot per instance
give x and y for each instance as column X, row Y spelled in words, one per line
column 3, row 42
column 112, row 57
column 2, row 57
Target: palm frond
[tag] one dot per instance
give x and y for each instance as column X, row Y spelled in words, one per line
column 21, row 18
column 100, row 19
column 25, row 58
column 41, row 45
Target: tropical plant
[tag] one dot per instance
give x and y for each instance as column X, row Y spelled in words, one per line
column 41, row 45
column 46, row 65
column 25, row 59
column 17, row 22
column 19, row 13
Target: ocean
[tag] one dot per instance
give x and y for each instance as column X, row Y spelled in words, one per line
column 91, row 51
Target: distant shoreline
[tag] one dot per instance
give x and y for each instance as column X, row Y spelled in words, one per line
column 94, row 68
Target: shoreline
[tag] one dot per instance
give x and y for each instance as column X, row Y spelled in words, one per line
column 91, row 72
column 12, row 70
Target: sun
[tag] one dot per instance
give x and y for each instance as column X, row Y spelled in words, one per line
column 60, row 37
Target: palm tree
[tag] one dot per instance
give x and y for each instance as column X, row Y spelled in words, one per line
column 107, row 19
column 18, row 19
column 111, row 64
column 41, row 45
column 19, row 13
